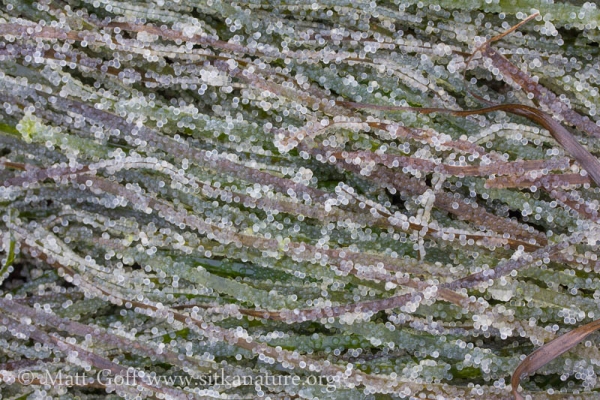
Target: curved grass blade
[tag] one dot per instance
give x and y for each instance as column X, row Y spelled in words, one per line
column 549, row 352
column 589, row 162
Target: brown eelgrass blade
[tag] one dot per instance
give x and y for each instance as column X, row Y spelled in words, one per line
column 549, row 352
column 498, row 37
column 558, row 132
column 531, row 86
column 543, row 95
column 548, row 182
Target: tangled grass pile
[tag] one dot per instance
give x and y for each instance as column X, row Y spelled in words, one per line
column 282, row 199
